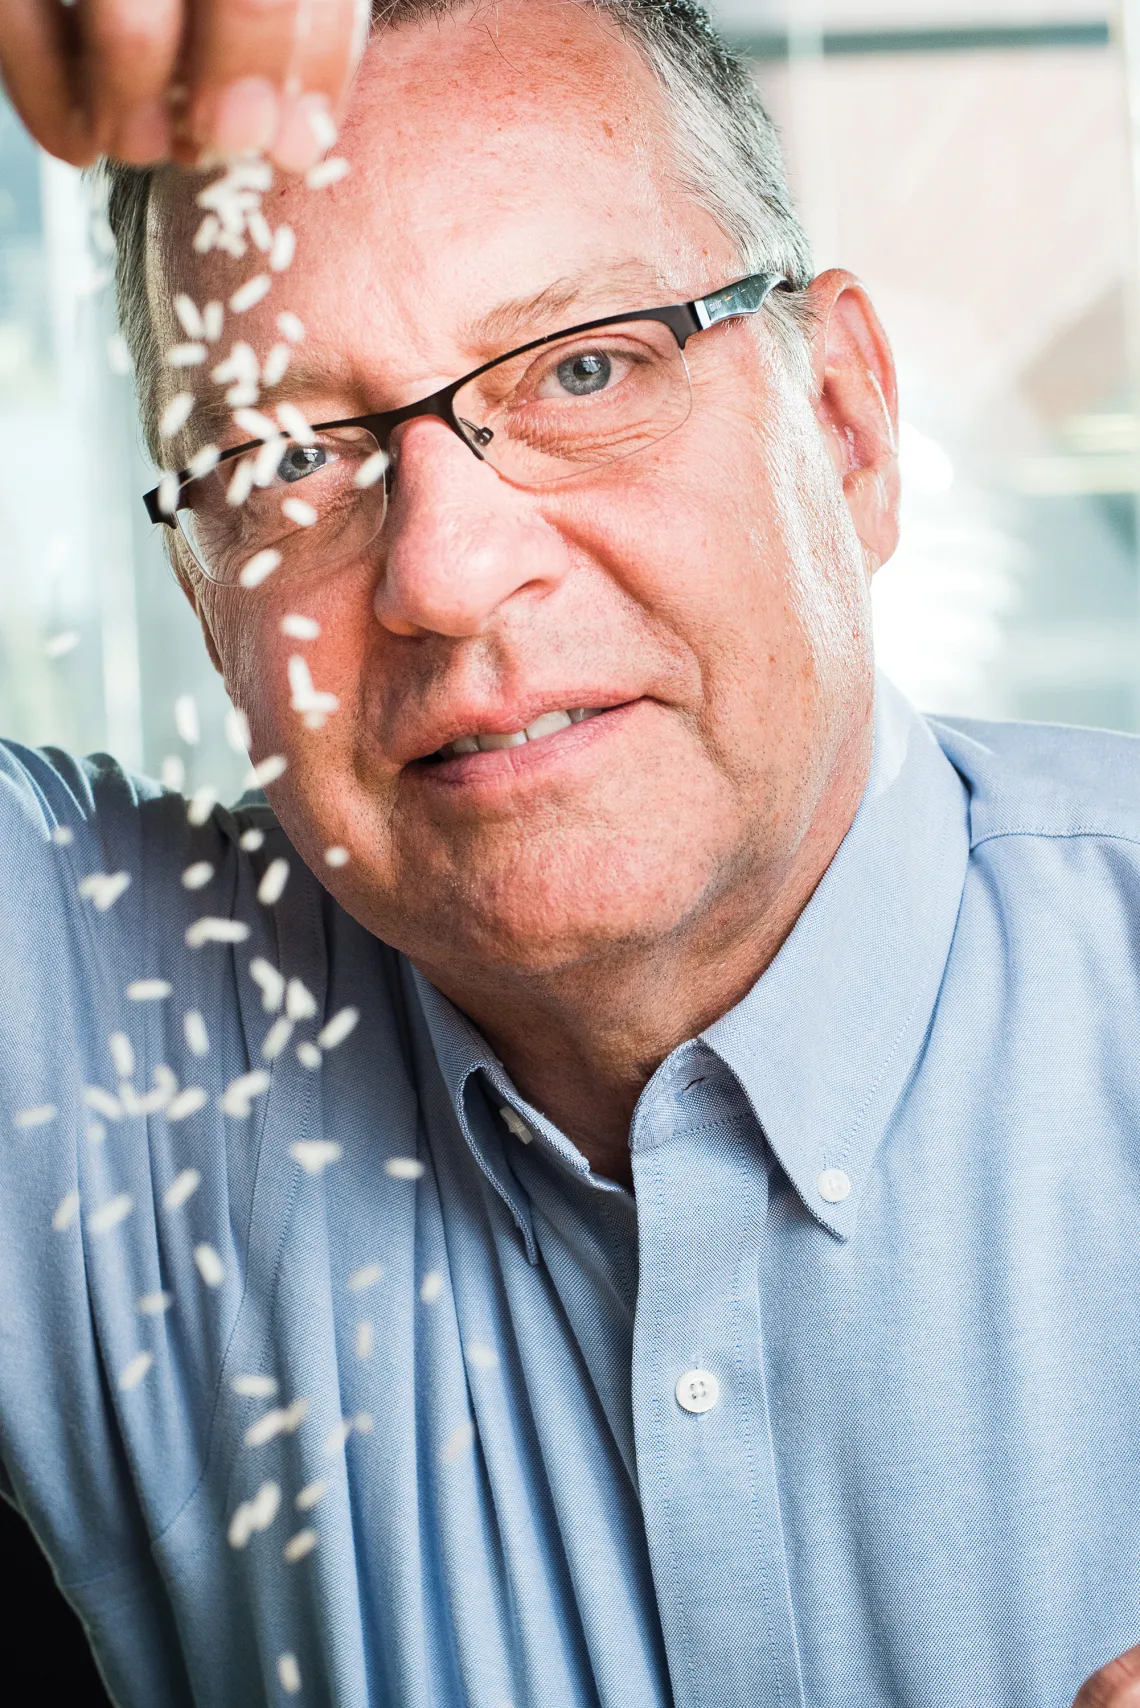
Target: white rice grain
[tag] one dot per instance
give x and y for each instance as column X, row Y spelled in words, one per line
column 236, row 1100
column 255, row 1514
column 58, row 646
column 187, row 311
column 176, row 414
column 237, row 729
column 207, row 234
column 102, row 1102
column 186, row 1103
column 211, row 930
column 337, row 1437
column 457, row 1444
column 173, row 773
column 299, row 1545
column 336, row 856
column 366, row 1276
column 197, row 876
column 290, row 326
column 65, row 1213
column 132, row 1374
column 254, row 1387
column 258, row 227
column 210, row 1266
column 403, row 1168
column 148, row 990
column 203, row 461
column 288, row 1673
column 168, row 494
column 154, row 1304
column 266, row 771
column 195, row 1033
column 308, row 1497
column 327, row 172
column 296, row 510
column 270, row 982
column 182, row 1190
column 251, row 840
column 282, row 1420
column 213, row 319
column 298, row 627
column 202, row 803
column 186, row 720
column 276, row 1038
column 94, row 1132
column 186, row 355
column 371, row 469
column 122, row 1054
column 63, row 836
column 431, row 1287
column 365, row 1339
column 482, row 1356
column 272, row 886
column 240, row 487
column 295, row 423
column 110, row 1214
column 38, row 1116
column 308, row 1055
column 260, row 567
column 338, row 1028
column 257, row 424
column 276, row 365
column 247, row 296
column 300, row 1003
column 315, row 1155
column 119, row 355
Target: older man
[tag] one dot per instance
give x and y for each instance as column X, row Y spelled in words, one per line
column 622, row 1188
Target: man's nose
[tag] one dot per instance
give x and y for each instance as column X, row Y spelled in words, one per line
column 457, row 542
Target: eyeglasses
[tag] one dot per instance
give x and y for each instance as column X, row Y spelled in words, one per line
column 556, row 407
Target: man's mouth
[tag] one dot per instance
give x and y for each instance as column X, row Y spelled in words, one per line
column 493, row 741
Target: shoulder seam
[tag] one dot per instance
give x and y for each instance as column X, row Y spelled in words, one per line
column 1071, row 835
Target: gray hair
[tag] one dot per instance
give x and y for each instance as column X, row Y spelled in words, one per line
column 728, row 154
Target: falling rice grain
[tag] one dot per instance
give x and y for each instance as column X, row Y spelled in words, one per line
column 187, row 311
column 338, row 1028
column 201, row 805
column 119, row 354
column 257, row 424
column 183, row 1189
column 366, row 1276
column 288, row 1673
column 186, row 355
column 204, row 460
column 255, row 1514
column 315, row 1155
column 258, row 227
column 272, row 886
column 282, row 1420
column 403, row 1168
column 168, row 494
column 431, row 1287
column 308, row 1055
column 149, row 990
column 197, row 876
column 457, row 1444
column 95, row 1132
column 337, row 1437
column 326, row 173
column 173, row 773
column 482, row 1356
column 122, row 1054
column 110, row 1214
column 371, row 469
column 104, row 888
column 213, row 319
column 206, row 235
column 365, row 1339
column 211, row 930
column 276, row 365
column 254, row 1387
column 210, row 1266
column 267, row 771
column 239, row 489
column 58, row 646
column 194, row 1031
column 295, row 424
column 290, row 326
column 260, row 567
column 299, row 1545
column 37, row 1116
column 236, row 1100
column 276, row 1038
column 186, row 720
column 251, row 840
column 186, row 1103
column 63, row 836
column 154, row 1304
column 237, row 729
column 176, row 414
column 102, row 1102
column 269, row 981
column 300, row 1003
column 247, row 296
column 132, row 1374
column 307, row 1499
column 283, row 248
column 298, row 627
column 336, row 856
column 66, row 1211
column 296, row 510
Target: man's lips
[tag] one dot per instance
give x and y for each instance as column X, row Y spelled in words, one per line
column 548, row 738
column 518, row 727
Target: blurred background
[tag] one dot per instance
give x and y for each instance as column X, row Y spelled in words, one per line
column 972, row 160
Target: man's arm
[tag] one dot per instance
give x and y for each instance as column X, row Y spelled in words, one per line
column 152, row 80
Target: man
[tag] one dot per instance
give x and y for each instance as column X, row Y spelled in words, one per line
column 647, row 1213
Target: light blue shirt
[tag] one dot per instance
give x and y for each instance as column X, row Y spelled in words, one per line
column 889, row 1206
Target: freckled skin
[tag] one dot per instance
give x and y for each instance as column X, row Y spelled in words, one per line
column 590, row 914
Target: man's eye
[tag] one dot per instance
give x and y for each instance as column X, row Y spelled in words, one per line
column 584, row 374
column 301, row 460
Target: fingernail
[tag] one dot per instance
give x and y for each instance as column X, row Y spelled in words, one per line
column 306, row 133
column 144, row 135
column 244, row 117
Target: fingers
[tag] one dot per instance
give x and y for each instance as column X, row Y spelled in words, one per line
column 270, row 75
column 130, row 50
column 39, row 62
column 1116, row 1685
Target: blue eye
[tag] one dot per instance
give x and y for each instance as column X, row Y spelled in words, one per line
column 300, row 460
column 586, row 373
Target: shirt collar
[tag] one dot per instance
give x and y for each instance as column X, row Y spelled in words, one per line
column 823, row 1043
column 826, row 1039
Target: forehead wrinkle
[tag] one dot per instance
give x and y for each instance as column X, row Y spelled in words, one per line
column 522, row 318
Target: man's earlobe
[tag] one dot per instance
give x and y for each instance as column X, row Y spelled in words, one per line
column 857, row 408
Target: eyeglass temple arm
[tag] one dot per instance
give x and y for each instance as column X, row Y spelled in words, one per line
column 747, row 296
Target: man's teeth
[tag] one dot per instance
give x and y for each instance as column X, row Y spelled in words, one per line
column 548, row 724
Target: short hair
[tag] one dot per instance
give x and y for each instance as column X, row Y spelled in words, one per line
column 728, row 156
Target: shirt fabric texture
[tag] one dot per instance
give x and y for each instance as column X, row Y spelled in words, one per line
column 918, row 1485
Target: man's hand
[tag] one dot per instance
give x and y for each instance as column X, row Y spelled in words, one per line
column 1116, row 1685
column 151, row 80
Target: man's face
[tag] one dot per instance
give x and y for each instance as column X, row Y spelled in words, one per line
column 512, row 177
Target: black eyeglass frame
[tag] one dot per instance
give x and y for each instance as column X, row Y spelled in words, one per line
column 744, row 296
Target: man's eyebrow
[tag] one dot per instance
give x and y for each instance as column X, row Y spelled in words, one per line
column 523, row 318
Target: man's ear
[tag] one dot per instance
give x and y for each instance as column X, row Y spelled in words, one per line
column 189, row 579
column 856, row 404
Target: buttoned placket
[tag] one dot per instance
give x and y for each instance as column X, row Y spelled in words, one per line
column 705, row 1458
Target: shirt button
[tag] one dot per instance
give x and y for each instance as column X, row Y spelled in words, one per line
column 515, row 1124
column 834, row 1185
column 698, row 1390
